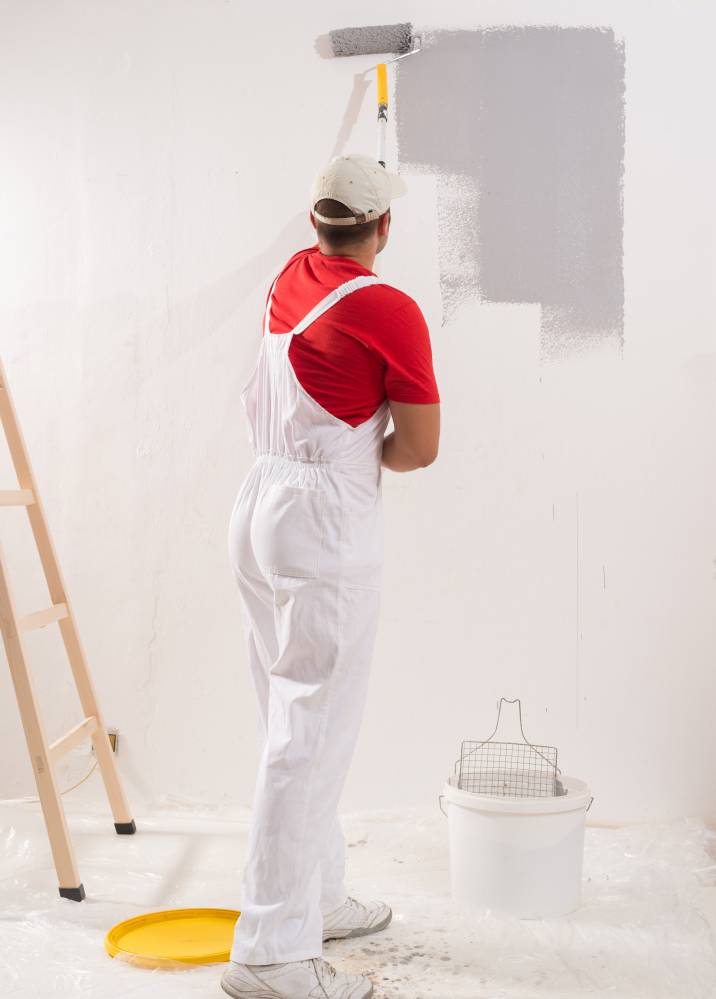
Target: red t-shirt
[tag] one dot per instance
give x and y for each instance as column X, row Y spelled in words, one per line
column 372, row 345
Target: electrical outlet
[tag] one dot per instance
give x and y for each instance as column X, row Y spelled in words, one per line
column 113, row 735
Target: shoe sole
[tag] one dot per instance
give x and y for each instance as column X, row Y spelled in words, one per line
column 359, row 932
column 272, row 995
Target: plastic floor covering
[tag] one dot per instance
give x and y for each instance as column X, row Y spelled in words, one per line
column 645, row 929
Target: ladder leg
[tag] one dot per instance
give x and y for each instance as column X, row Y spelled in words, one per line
column 60, row 842
column 123, row 821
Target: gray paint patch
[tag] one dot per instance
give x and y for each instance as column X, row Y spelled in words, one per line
column 524, row 127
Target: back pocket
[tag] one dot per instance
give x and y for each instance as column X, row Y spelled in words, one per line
column 287, row 530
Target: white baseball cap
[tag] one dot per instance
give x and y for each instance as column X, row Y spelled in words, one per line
column 360, row 183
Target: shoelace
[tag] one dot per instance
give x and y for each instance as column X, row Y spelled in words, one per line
column 325, row 972
column 355, row 904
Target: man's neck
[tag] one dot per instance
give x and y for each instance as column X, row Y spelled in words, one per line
column 365, row 256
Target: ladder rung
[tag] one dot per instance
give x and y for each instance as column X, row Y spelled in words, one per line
column 73, row 738
column 40, row 618
column 16, row 497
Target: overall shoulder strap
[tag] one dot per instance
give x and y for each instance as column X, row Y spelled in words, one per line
column 362, row 281
column 267, row 313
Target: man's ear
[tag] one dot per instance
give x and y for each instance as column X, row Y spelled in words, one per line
column 313, row 221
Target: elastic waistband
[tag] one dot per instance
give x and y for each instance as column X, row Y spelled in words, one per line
column 272, row 456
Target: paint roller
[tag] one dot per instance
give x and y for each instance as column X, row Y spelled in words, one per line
column 376, row 39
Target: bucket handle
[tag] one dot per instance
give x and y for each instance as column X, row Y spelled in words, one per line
column 590, row 802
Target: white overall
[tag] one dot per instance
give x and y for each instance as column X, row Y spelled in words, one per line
column 306, row 547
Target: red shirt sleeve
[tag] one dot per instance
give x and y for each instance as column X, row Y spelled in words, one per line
column 275, row 280
column 405, row 346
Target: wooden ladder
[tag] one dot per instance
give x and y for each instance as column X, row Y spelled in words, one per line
column 43, row 756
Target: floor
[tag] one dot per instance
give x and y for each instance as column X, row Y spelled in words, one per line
column 647, row 926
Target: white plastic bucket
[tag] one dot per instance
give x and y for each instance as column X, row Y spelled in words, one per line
column 521, row 856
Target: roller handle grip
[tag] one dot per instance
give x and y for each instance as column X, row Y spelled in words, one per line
column 382, row 93
column 382, row 81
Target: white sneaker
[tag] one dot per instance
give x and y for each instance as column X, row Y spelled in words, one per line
column 353, row 919
column 312, row 979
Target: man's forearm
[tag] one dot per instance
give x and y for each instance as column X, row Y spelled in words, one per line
column 397, row 458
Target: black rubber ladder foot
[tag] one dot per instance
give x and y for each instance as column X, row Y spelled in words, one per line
column 74, row 894
column 125, row 828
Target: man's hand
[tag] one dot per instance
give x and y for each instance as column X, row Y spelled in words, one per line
column 414, row 441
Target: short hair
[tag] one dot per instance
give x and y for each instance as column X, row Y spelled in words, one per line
column 337, row 236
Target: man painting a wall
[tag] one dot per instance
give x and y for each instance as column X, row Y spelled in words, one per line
column 341, row 354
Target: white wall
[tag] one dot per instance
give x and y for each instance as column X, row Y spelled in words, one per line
column 157, row 157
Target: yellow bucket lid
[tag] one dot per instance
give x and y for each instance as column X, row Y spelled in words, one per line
column 174, row 937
